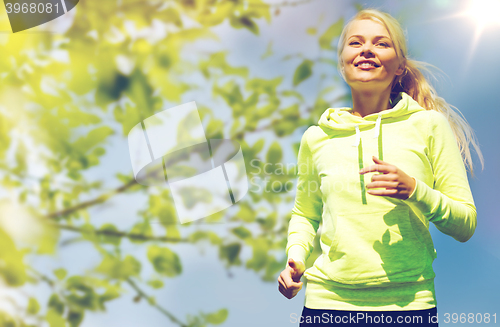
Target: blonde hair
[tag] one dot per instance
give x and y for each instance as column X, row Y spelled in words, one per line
column 414, row 83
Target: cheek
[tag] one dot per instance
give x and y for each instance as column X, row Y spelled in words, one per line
column 348, row 56
column 390, row 61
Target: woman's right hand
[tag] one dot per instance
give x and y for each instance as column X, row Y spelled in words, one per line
column 289, row 279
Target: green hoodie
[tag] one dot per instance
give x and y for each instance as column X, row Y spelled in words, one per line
column 377, row 251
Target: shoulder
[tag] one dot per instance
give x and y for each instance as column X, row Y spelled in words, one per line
column 313, row 133
column 437, row 121
column 431, row 119
column 312, row 137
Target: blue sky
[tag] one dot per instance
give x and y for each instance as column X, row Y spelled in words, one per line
column 466, row 274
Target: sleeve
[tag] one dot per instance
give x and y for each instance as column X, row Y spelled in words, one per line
column 308, row 206
column 449, row 204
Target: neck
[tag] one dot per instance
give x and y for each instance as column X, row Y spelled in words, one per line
column 369, row 102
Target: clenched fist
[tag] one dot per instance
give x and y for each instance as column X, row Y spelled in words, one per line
column 289, row 279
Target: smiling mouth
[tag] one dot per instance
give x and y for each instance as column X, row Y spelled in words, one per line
column 366, row 64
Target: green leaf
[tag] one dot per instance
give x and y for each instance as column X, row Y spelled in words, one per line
column 303, row 71
column 222, row 11
column 284, row 127
column 311, row 30
column 12, row 267
column 241, row 232
column 332, row 32
column 191, row 195
column 173, row 232
column 33, row 306
column 60, row 273
column 164, row 210
column 274, row 154
column 55, row 319
column 358, row 6
column 94, row 137
column 269, row 51
column 141, row 93
column 109, row 239
column 293, row 93
column 215, row 129
column 261, row 85
column 259, row 258
column 230, row 253
column 6, row 320
column 270, row 221
column 81, row 294
column 246, row 213
column 165, row 261
column 205, row 235
column 111, row 87
column 257, row 147
column 75, row 318
column 235, row 128
column 296, row 147
column 218, row 317
column 109, row 295
column 141, row 228
column 117, row 269
column 273, row 268
column 244, row 21
column 156, row 283
column 291, row 113
column 169, row 15
column 56, row 304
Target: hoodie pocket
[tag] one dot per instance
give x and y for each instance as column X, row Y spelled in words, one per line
column 375, row 247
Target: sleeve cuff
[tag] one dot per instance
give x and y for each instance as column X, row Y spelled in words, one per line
column 422, row 200
column 297, row 253
column 412, row 195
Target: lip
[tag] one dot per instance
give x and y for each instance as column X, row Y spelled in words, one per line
column 373, row 64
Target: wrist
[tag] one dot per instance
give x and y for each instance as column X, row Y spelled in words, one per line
column 412, row 192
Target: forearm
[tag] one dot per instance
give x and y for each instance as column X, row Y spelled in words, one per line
column 301, row 234
column 454, row 217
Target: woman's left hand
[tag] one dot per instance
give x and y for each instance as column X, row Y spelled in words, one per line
column 397, row 184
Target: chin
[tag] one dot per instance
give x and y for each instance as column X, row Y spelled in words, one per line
column 368, row 85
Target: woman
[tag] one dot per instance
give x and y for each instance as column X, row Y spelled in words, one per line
column 377, row 251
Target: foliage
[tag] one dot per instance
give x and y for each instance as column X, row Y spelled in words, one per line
column 67, row 98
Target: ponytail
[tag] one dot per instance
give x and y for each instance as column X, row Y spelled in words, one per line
column 414, row 83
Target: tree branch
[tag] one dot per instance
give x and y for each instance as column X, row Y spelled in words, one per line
column 143, row 295
column 112, row 233
column 86, row 204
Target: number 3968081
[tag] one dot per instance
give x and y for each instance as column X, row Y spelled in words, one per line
column 32, row 8
column 463, row 318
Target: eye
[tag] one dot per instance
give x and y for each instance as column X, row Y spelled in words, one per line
column 354, row 43
column 384, row 44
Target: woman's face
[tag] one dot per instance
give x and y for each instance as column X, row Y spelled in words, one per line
column 369, row 58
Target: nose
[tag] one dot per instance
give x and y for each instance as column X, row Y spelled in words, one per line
column 366, row 50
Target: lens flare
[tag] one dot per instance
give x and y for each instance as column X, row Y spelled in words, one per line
column 484, row 13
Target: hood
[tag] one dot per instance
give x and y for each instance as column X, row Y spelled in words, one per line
column 340, row 121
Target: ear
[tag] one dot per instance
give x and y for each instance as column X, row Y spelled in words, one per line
column 400, row 70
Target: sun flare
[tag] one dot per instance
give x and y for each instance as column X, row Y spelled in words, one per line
column 485, row 13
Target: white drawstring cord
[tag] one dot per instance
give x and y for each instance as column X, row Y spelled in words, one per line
column 377, row 125
column 358, row 136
